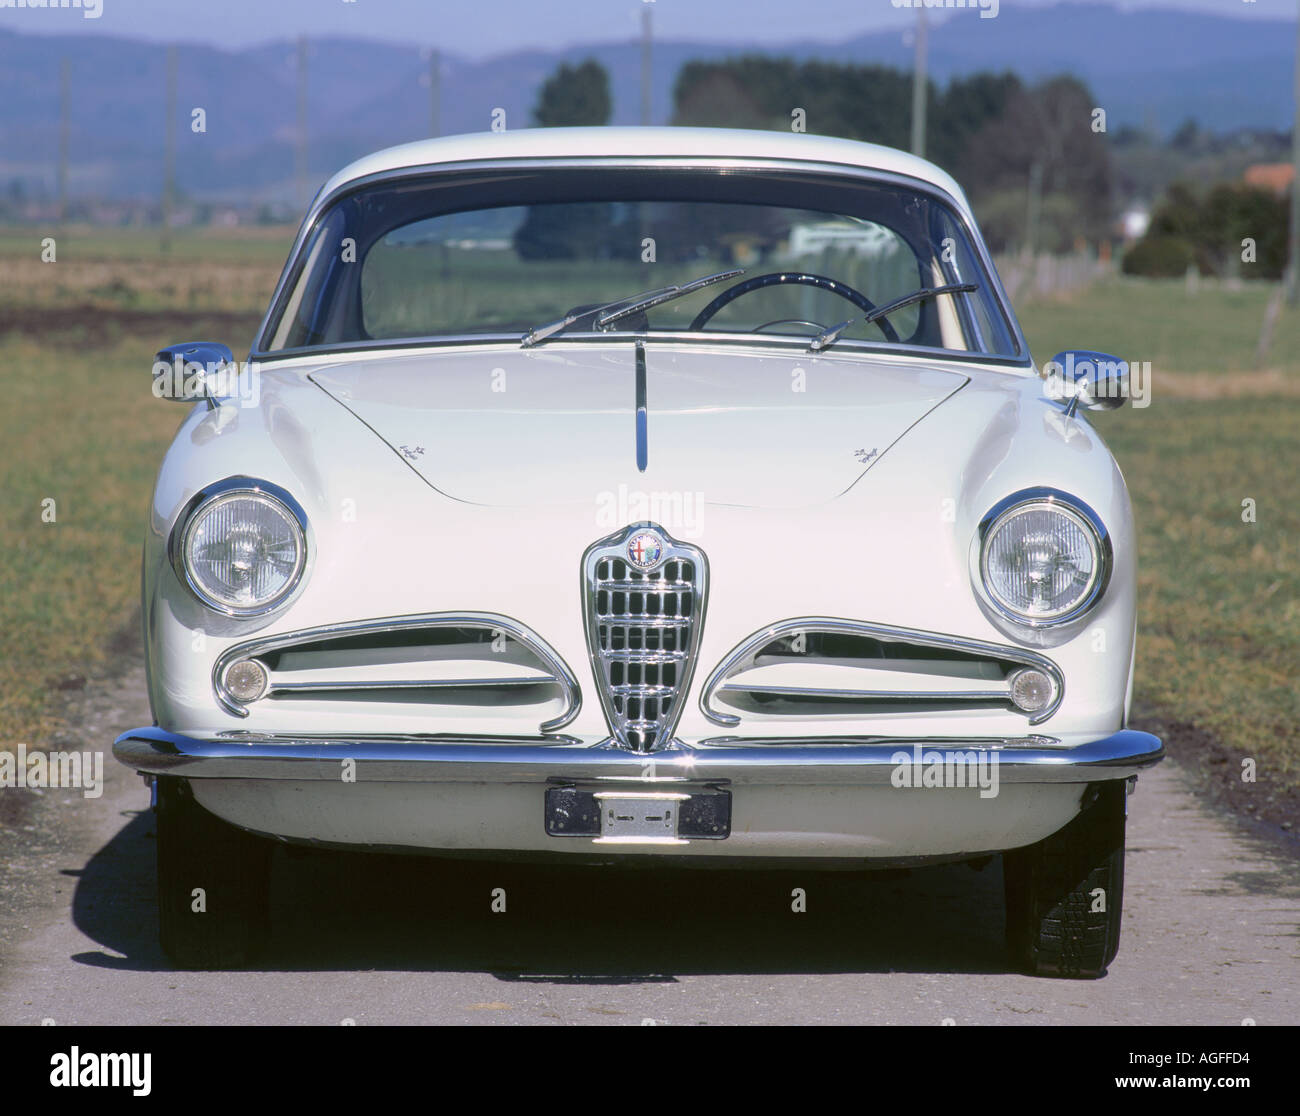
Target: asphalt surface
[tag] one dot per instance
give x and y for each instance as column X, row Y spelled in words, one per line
column 1209, row 936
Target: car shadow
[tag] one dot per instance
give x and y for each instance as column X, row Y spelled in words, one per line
column 567, row 924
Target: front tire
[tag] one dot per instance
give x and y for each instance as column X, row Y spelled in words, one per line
column 214, row 884
column 1064, row 895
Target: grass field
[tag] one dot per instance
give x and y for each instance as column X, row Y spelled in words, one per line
column 1219, row 612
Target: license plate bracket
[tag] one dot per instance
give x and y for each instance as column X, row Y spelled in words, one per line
column 639, row 815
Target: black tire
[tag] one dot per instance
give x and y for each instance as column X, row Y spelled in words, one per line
column 197, row 850
column 1053, row 926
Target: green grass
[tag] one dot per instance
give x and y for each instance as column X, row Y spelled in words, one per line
column 1158, row 320
column 86, row 434
column 1219, row 598
column 247, row 245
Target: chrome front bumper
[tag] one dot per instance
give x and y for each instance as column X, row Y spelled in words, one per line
column 860, row 761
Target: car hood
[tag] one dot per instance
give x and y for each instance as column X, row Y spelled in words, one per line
column 558, row 424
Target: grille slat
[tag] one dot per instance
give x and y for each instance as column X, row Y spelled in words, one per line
column 643, row 630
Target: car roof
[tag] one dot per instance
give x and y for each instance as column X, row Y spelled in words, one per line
column 720, row 143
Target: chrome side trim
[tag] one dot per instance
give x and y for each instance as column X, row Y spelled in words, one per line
column 884, row 633
column 521, row 633
column 864, row 762
column 868, row 695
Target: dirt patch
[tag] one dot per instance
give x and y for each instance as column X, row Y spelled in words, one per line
column 100, row 325
column 1204, row 386
column 1219, row 776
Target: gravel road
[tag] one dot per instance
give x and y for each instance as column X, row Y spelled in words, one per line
column 1210, row 930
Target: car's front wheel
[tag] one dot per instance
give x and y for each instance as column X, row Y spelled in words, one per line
column 1064, row 895
column 214, row 884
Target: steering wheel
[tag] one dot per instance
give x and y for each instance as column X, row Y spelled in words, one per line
column 807, row 279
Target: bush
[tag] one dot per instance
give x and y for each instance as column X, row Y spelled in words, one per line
column 1159, row 257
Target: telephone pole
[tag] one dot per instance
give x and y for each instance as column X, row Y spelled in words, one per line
column 300, row 148
column 435, row 93
column 919, row 84
column 65, row 109
column 646, row 71
column 169, row 151
column 1293, row 254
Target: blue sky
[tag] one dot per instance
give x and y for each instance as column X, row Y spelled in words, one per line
column 485, row 27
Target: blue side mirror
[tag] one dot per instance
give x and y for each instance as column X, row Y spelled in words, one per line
column 1098, row 381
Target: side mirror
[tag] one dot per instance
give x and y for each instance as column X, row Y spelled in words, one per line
column 191, row 371
column 1098, row 381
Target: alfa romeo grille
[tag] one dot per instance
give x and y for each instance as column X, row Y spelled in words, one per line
column 645, row 597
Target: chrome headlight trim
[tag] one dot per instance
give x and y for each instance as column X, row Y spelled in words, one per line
column 1062, row 503
column 273, row 493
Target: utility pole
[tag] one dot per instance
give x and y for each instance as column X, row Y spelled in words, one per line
column 919, row 85
column 1293, row 280
column 300, row 149
column 435, row 93
column 1035, row 208
column 65, row 108
column 646, row 72
column 169, row 151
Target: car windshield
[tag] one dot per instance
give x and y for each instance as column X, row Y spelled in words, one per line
column 500, row 253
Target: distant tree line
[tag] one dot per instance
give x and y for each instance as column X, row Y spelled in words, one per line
column 1001, row 139
column 990, row 131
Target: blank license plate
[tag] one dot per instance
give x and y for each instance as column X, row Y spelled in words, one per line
column 638, row 816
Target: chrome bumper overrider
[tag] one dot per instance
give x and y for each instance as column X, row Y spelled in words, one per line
column 401, row 759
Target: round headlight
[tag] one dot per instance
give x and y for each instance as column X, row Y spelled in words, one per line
column 1042, row 561
column 243, row 551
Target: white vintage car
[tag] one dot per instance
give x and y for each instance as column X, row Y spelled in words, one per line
column 658, row 496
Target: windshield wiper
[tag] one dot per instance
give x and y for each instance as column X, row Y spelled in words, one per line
column 828, row 337
column 607, row 313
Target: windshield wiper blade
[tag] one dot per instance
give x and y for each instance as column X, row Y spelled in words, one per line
column 609, row 312
column 656, row 298
column 828, row 337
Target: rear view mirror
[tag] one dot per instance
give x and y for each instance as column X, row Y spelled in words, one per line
column 185, row 373
column 1098, row 381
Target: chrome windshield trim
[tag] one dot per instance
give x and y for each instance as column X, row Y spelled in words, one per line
column 497, row 760
column 670, row 162
column 521, row 633
column 883, row 632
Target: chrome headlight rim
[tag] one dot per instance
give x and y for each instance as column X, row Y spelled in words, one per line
column 1061, row 502
column 203, row 499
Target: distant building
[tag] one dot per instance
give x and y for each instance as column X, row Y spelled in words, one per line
column 865, row 239
column 1275, row 177
column 1134, row 221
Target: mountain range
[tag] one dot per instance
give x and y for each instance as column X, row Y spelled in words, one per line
column 1153, row 68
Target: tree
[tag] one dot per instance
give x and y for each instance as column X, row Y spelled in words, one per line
column 872, row 103
column 574, row 96
column 1049, row 125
